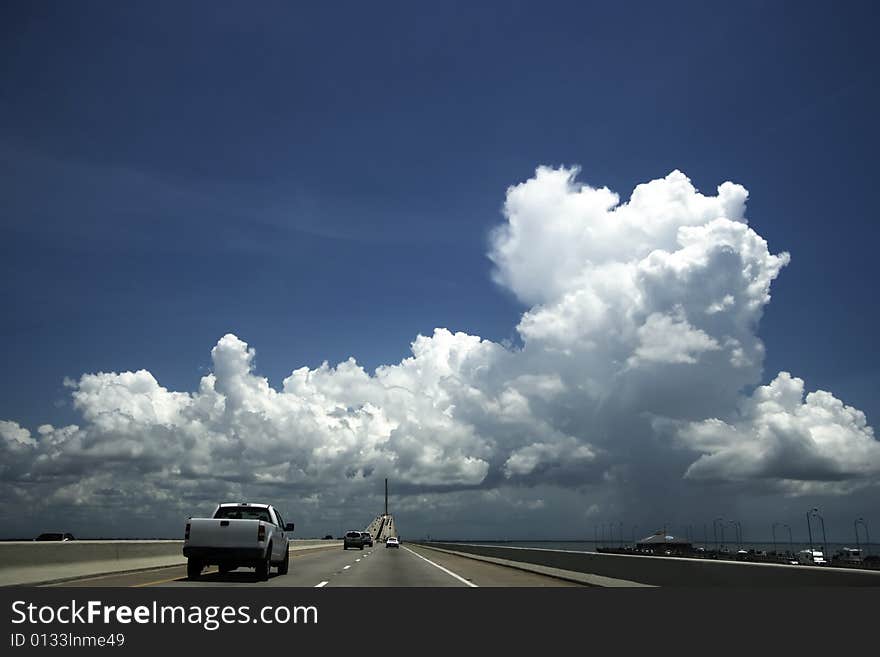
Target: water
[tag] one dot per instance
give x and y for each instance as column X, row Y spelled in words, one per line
column 591, row 546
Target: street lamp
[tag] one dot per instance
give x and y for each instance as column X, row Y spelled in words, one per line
column 620, row 527
column 790, row 546
column 715, row 523
column 861, row 521
column 810, row 529
column 634, row 535
column 815, row 512
column 737, row 532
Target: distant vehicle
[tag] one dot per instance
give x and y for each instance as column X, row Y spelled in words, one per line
column 328, row 537
column 811, row 558
column 392, row 542
column 55, row 536
column 239, row 534
column 368, row 538
column 353, row 539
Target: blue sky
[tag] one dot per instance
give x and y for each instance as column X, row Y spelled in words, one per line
column 322, row 181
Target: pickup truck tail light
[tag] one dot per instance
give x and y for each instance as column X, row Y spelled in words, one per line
column 186, row 533
column 261, row 533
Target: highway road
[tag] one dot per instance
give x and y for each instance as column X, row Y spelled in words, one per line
column 408, row 566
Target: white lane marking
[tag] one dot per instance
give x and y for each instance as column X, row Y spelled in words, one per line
column 445, row 570
column 321, row 585
column 346, row 567
column 356, row 560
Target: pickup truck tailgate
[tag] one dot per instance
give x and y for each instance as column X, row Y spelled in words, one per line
column 211, row 532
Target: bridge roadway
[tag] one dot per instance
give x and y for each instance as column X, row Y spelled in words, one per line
column 409, row 565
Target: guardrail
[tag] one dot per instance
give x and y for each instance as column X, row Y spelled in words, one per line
column 671, row 571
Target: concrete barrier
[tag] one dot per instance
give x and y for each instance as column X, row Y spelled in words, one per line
column 36, row 562
column 673, row 571
column 17, row 554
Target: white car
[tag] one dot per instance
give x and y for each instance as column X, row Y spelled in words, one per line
column 392, row 542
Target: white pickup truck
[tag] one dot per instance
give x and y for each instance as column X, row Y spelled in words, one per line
column 239, row 534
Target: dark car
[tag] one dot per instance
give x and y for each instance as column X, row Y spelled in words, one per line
column 353, row 539
column 328, row 537
column 55, row 536
column 368, row 538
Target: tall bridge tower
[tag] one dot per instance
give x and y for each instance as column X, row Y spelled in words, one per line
column 383, row 525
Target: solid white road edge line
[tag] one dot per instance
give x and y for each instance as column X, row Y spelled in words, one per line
column 322, row 584
column 445, row 570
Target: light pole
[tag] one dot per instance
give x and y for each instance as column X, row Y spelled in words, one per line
column 815, row 512
column 737, row 528
column 715, row 523
column 634, row 535
column 861, row 521
column 790, row 546
column 810, row 530
column 620, row 526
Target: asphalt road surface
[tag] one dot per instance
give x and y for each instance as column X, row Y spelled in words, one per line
column 370, row 567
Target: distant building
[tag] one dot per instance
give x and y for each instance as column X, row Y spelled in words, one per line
column 662, row 543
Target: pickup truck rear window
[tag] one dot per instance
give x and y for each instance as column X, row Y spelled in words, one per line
column 242, row 513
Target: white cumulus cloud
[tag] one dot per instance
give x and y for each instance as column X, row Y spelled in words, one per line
column 637, row 313
column 781, row 435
